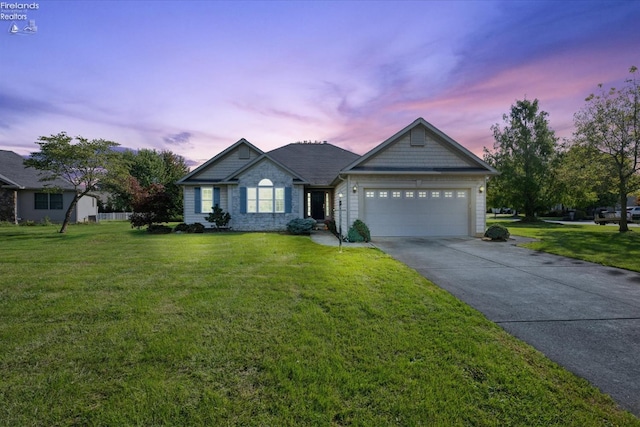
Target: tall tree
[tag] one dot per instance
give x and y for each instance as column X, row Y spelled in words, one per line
column 523, row 152
column 610, row 124
column 83, row 164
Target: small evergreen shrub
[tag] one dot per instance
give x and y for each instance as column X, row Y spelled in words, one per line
column 497, row 232
column 301, row 225
column 359, row 232
column 219, row 217
column 354, row 236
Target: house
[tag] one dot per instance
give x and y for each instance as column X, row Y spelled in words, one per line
column 23, row 197
column 418, row 182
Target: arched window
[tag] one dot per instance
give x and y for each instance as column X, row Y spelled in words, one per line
column 265, row 198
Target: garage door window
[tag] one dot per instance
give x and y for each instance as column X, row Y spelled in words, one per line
column 408, row 194
column 462, row 194
column 383, row 194
column 422, row 194
column 448, row 194
column 370, row 194
column 435, row 194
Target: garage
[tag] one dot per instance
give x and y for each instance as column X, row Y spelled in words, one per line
column 417, row 212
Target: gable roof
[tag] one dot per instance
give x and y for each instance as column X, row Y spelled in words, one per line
column 203, row 167
column 317, row 163
column 14, row 174
column 468, row 162
column 232, row 178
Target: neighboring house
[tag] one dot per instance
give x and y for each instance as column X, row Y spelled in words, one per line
column 23, row 197
column 419, row 182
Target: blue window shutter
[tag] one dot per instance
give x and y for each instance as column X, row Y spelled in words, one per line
column 198, row 200
column 243, row 200
column 216, row 196
column 287, row 200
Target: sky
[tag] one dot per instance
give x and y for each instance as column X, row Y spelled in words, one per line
column 194, row 77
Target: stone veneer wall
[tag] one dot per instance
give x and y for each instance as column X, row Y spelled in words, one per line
column 7, row 205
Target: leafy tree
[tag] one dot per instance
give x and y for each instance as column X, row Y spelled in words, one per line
column 582, row 178
column 83, row 164
column 149, row 167
column 523, row 152
column 610, row 125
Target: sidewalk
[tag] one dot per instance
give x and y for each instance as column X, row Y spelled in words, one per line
column 326, row 238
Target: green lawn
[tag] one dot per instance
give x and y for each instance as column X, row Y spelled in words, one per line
column 111, row 326
column 588, row 242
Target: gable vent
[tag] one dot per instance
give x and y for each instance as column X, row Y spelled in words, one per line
column 243, row 152
column 418, row 136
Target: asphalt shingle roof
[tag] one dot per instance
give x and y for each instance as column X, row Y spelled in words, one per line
column 14, row 174
column 318, row 163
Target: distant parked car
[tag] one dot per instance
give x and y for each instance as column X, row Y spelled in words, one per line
column 634, row 211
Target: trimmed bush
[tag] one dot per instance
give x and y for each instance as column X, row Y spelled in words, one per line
column 159, row 229
column 359, row 232
column 497, row 232
column 354, row 236
column 301, row 226
column 196, row 228
column 182, row 228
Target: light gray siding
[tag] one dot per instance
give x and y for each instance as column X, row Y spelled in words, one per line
column 433, row 153
column 27, row 212
column 226, row 165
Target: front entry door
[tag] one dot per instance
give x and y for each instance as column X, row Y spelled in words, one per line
column 317, row 205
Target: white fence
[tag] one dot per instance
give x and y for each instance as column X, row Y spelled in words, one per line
column 114, row 216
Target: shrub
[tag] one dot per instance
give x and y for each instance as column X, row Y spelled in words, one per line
column 497, row 232
column 182, row 228
column 359, row 232
column 354, row 236
column 196, row 228
column 159, row 229
column 301, row 226
column 140, row 219
column 219, row 217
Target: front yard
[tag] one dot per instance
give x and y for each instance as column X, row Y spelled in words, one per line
column 112, row 326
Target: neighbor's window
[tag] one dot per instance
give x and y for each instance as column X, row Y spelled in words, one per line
column 265, row 198
column 48, row 201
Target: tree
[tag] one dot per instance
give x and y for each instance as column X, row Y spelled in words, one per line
column 148, row 167
column 610, row 124
column 582, row 178
column 523, row 152
column 83, row 164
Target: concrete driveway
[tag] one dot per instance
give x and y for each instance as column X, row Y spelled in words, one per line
column 583, row 316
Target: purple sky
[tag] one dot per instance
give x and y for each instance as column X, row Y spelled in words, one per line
column 195, row 76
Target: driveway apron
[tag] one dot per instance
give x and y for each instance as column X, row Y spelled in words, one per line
column 583, row 316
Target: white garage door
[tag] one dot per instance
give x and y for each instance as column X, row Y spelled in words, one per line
column 429, row 212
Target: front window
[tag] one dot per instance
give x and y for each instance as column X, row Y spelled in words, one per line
column 206, row 195
column 266, row 198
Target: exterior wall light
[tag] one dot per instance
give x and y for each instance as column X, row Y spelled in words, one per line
column 355, row 188
column 481, row 189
